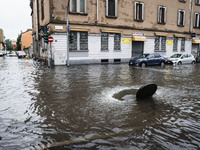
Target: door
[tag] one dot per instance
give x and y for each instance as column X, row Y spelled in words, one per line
column 137, row 48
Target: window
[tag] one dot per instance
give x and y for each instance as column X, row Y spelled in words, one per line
column 197, row 2
column 111, row 8
column 139, row 11
column 104, row 41
column 183, row 44
column 175, row 44
column 182, row 1
column 78, row 6
column 160, row 43
column 197, row 20
column 42, row 9
column 162, row 14
column 80, row 41
column 117, row 41
column 181, row 17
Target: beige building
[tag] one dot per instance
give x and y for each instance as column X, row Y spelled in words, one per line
column 26, row 42
column 1, row 40
column 115, row 30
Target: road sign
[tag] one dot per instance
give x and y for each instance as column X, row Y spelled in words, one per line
column 50, row 39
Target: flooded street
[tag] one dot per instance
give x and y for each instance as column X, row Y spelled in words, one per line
column 95, row 107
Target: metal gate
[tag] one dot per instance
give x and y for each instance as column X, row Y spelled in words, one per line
column 137, row 48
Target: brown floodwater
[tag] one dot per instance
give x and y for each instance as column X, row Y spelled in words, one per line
column 95, row 107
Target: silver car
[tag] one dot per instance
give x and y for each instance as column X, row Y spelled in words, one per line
column 179, row 59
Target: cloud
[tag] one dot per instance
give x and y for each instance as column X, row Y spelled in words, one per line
column 15, row 16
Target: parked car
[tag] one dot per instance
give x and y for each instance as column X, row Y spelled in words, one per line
column 178, row 59
column 198, row 57
column 11, row 54
column 1, row 54
column 148, row 60
column 21, row 54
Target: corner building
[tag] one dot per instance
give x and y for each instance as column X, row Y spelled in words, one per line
column 113, row 31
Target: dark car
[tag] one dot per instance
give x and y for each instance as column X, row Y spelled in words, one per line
column 21, row 54
column 198, row 57
column 148, row 60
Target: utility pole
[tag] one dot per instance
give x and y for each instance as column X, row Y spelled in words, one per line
column 36, row 26
column 68, row 33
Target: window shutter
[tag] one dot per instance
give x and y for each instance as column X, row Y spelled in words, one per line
column 165, row 14
column 106, row 7
column 116, row 6
column 159, row 15
column 142, row 11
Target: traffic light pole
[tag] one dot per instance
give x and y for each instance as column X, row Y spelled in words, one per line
column 68, row 34
column 48, row 55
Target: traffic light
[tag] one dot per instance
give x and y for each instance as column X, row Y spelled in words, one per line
column 45, row 36
column 71, row 38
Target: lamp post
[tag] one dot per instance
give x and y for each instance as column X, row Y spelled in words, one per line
column 68, row 33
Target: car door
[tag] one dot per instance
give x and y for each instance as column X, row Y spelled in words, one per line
column 184, row 59
column 157, row 59
column 150, row 59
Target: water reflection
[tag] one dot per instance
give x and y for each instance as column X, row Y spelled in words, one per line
column 94, row 107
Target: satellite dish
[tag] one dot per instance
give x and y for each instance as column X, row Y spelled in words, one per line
column 146, row 91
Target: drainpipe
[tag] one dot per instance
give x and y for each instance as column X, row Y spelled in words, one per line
column 191, row 16
column 36, row 25
column 97, row 10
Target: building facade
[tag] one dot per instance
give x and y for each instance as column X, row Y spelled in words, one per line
column 2, row 45
column 109, row 31
column 26, row 42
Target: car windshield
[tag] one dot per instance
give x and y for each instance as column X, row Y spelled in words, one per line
column 143, row 56
column 176, row 56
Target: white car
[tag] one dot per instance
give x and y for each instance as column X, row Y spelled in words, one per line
column 179, row 59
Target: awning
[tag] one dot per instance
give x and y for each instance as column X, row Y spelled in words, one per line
column 139, row 38
column 196, row 41
column 80, row 29
column 161, row 34
column 111, row 31
column 179, row 35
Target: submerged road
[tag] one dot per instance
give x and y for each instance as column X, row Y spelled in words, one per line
column 95, row 107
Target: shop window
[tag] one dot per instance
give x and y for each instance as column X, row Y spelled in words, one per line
column 162, row 14
column 117, row 41
column 183, row 44
column 139, row 11
column 175, row 44
column 160, row 43
column 104, row 41
column 181, row 17
column 80, row 41
column 111, row 8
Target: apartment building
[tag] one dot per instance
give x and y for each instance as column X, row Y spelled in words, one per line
column 113, row 31
column 2, row 45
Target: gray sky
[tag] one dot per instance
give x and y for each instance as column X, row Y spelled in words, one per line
column 15, row 16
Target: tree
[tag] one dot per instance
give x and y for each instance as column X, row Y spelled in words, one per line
column 18, row 48
column 9, row 45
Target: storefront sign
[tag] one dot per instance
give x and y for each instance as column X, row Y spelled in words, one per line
column 126, row 40
column 169, row 42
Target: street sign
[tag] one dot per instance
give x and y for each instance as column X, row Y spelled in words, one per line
column 50, row 39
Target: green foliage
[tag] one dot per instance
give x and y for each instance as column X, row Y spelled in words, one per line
column 18, row 43
column 9, row 45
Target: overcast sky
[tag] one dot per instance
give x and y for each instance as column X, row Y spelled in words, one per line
column 15, row 16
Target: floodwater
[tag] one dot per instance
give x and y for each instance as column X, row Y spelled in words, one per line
column 95, row 107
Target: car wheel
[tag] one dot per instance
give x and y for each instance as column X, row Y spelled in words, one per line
column 143, row 64
column 179, row 63
column 162, row 64
column 193, row 62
